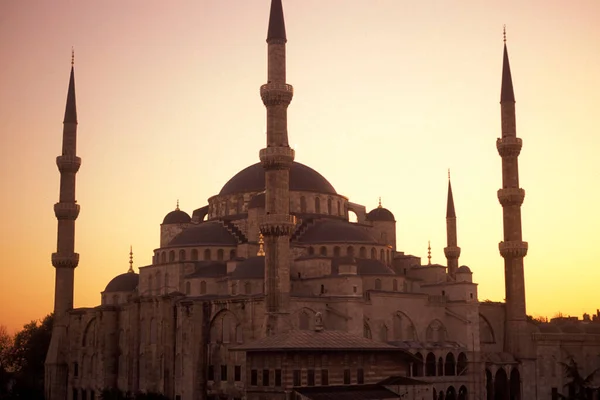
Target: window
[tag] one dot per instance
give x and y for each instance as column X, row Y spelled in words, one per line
column 362, row 252
column 171, row 256
column 163, row 257
column 324, row 377
column 220, row 255
column 317, row 205
column 377, row 284
column 373, row 253
column 265, row 377
column 395, row 285
column 188, row 287
column 354, row 288
column 310, row 377
column 346, row 377
column 207, row 254
column 322, row 289
column 234, row 289
column 195, row 255
column 181, row 255
column 253, row 377
column 336, row 251
column 223, row 372
column 231, row 254
column 311, row 251
column 329, row 207
column 360, row 376
column 350, row 251
column 323, row 251
column 75, row 369
column 297, row 377
column 277, row 377
column 237, row 373
column 302, row 204
column 211, row 372
column 247, row 288
column 202, row 287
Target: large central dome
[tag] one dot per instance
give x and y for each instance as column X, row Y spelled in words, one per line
column 302, row 179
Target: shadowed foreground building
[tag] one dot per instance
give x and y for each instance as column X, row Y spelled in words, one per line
column 270, row 290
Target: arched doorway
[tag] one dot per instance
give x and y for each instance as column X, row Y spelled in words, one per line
column 489, row 385
column 430, row 365
column 451, row 393
column 462, row 393
column 441, row 395
column 501, row 385
column 515, row 384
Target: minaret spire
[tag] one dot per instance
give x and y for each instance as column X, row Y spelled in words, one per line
column 130, row 270
column 513, row 249
column 277, row 224
column 429, row 252
column 452, row 251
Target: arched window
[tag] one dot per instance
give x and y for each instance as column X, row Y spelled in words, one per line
column 350, row 251
column 377, row 284
column 203, row 287
column 247, row 288
column 362, row 253
column 302, row 204
column 395, row 285
column 450, row 366
column 317, row 205
column 181, row 255
column 461, row 366
column 336, row 251
column 240, row 205
column 304, row 321
column 207, row 254
column 339, row 209
column 382, row 255
column 311, row 251
column 172, row 256
column 388, row 257
column 440, row 367
column 220, row 255
column 430, row 365
column 163, row 257
column 194, row 254
column 329, row 207
column 323, row 251
column 234, row 288
column 188, row 287
column 322, row 289
column 384, row 334
column 232, row 254
column 373, row 253
column 418, row 365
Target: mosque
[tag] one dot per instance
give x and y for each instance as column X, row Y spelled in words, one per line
column 270, row 292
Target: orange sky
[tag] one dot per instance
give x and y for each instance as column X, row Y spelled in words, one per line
column 389, row 94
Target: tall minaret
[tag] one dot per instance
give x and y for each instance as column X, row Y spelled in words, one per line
column 452, row 251
column 65, row 259
column 511, row 196
column 277, row 158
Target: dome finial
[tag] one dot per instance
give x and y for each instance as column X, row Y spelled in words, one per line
column 429, row 252
column 504, row 33
column 177, row 208
column 379, row 206
column 130, row 260
column 72, row 56
column 261, row 249
column 448, row 174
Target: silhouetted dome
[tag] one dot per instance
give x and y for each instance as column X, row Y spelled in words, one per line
column 206, row 233
column 464, row 269
column 257, row 201
column 177, row 217
column 380, row 214
column 302, row 178
column 126, row 282
column 336, row 231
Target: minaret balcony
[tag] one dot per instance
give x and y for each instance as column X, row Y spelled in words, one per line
column 277, row 225
column 68, row 163
column 513, row 249
column 452, row 252
column 274, row 94
column 65, row 260
column 511, row 196
column 66, row 211
column 509, row 146
column 279, row 157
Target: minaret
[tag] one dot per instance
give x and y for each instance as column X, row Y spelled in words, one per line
column 277, row 224
column 65, row 259
column 452, row 251
column 511, row 196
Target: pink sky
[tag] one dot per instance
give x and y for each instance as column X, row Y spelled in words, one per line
column 389, row 94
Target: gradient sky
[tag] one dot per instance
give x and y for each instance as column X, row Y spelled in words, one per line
column 389, row 94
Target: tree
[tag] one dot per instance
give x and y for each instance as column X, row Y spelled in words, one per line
column 5, row 369
column 578, row 387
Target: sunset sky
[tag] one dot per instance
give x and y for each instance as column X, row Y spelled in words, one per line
column 389, row 94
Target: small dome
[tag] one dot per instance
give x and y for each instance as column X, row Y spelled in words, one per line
column 177, row 217
column 464, row 270
column 126, row 282
column 381, row 214
column 257, row 201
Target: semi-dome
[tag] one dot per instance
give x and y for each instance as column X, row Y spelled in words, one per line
column 464, row 269
column 381, row 214
column 177, row 217
column 126, row 282
column 336, row 231
column 206, row 233
column 302, row 179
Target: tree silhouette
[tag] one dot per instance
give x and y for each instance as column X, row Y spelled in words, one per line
column 578, row 387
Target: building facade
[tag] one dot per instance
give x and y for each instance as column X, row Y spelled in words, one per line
column 270, row 290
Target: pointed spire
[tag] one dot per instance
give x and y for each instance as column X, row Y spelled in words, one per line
column 71, row 108
column 450, row 212
column 276, row 22
column 261, row 248
column 130, row 270
column 506, row 93
column 429, row 252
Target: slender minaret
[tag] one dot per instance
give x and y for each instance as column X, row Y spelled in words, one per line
column 511, row 196
column 65, row 259
column 276, row 158
column 452, row 251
